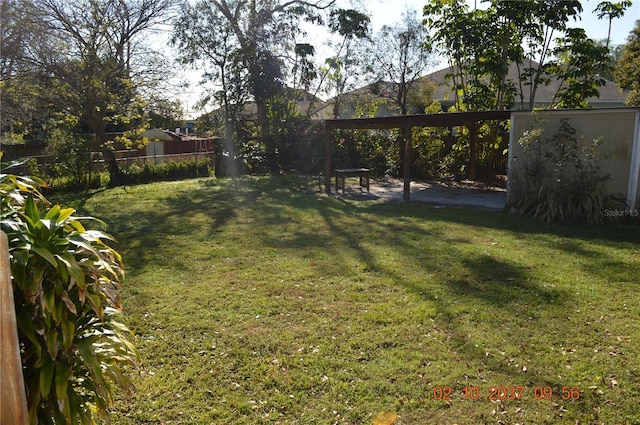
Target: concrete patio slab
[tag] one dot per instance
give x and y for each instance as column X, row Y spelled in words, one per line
column 442, row 194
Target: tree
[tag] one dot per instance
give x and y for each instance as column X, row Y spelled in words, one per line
column 341, row 71
column 481, row 44
column 94, row 58
column 614, row 54
column 303, row 68
column 401, row 58
column 163, row 113
column 627, row 73
column 262, row 32
column 20, row 82
column 533, row 35
column 205, row 39
column 578, row 69
column 611, row 11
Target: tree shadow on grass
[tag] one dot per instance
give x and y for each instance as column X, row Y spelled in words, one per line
column 500, row 283
column 141, row 226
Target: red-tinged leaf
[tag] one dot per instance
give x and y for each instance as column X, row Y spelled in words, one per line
column 82, row 292
column 70, row 305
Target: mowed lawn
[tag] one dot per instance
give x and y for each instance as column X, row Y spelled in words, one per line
column 263, row 301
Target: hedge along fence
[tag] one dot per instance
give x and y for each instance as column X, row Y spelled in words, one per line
column 134, row 167
column 74, row 344
column 168, row 170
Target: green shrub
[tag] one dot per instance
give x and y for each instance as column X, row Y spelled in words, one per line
column 70, row 157
column 559, row 179
column 167, row 170
column 74, row 345
column 94, row 181
column 375, row 149
column 253, row 155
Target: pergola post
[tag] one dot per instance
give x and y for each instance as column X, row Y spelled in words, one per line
column 406, row 194
column 327, row 158
column 473, row 150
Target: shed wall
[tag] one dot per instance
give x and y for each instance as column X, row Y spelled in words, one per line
column 616, row 127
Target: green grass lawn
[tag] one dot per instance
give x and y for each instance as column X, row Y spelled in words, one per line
column 263, row 302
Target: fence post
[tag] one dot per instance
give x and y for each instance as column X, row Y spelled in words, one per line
column 13, row 401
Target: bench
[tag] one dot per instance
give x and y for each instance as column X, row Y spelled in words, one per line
column 342, row 174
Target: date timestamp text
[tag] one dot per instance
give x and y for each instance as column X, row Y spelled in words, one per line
column 507, row 392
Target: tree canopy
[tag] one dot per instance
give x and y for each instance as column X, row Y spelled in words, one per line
column 86, row 64
column 401, row 58
column 249, row 53
column 536, row 35
column 627, row 71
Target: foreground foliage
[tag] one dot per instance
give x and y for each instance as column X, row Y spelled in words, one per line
column 262, row 301
column 73, row 342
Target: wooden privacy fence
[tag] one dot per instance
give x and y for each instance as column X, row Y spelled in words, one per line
column 13, row 401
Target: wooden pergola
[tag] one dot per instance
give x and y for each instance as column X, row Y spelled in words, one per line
column 407, row 122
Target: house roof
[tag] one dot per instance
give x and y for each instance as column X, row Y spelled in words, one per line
column 610, row 93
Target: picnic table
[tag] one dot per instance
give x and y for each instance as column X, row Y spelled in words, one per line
column 342, row 173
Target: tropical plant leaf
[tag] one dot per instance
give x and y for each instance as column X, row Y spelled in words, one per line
column 61, row 382
column 74, row 352
column 46, row 376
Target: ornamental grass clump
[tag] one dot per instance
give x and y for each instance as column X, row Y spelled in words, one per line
column 74, row 345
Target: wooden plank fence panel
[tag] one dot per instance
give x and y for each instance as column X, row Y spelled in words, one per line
column 13, row 402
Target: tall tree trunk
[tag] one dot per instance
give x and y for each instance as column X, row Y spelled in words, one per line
column 267, row 138
column 115, row 176
column 230, row 164
column 95, row 120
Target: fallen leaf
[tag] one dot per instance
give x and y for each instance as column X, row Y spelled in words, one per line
column 385, row 418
